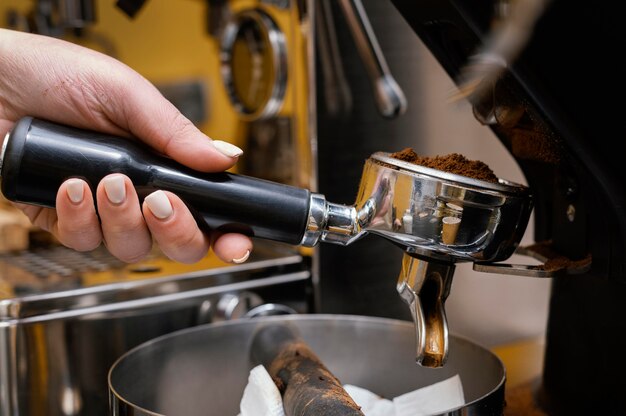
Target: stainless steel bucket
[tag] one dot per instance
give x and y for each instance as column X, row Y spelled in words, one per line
column 203, row 370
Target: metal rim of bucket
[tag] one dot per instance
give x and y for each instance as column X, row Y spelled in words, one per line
column 120, row 406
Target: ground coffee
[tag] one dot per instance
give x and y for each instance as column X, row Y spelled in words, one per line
column 451, row 163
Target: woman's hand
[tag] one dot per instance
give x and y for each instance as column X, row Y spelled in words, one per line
column 62, row 82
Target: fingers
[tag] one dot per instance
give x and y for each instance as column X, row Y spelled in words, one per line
column 126, row 235
column 89, row 89
column 162, row 126
column 231, row 247
column 174, row 228
column 77, row 226
column 159, row 123
column 128, row 228
column 179, row 236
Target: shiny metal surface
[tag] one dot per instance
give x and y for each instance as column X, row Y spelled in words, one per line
column 270, row 38
column 425, row 286
column 316, row 221
column 129, row 284
column 57, row 343
column 270, row 309
column 235, row 305
column 438, row 218
column 330, row 222
column 5, row 141
column 543, row 270
column 431, row 213
column 493, row 216
column 388, row 95
column 204, row 370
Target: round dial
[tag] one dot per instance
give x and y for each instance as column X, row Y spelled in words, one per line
column 254, row 64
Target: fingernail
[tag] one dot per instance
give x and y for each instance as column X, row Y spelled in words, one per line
column 227, row 149
column 243, row 258
column 75, row 190
column 159, row 204
column 115, row 188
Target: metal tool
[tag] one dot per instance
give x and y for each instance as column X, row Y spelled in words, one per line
column 438, row 218
column 390, row 98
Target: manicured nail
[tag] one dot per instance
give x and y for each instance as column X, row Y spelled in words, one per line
column 75, row 190
column 159, row 204
column 227, row 149
column 115, row 188
column 243, row 258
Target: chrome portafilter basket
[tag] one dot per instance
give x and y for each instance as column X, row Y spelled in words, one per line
column 430, row 213
column 437, row 218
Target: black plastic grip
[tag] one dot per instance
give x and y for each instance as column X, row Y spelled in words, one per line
column 38, row 156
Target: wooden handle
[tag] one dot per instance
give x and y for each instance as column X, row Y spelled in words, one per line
column 308, row 388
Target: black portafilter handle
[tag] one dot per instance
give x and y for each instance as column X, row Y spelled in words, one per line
column 38, row 156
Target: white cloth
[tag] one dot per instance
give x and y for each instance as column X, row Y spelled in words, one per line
column 433, row 399
column 437, row 398
column 371, row 404
column 261, row 396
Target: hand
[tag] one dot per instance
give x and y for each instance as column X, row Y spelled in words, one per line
column 62, row 82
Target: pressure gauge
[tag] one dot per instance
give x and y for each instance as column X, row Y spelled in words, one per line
column 254, row 64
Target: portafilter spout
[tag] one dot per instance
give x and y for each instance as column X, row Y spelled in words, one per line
column 424, row 285
column 438, row 218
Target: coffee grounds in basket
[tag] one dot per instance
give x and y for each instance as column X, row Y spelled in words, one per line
column 451, row 163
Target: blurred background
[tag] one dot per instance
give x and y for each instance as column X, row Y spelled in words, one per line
column 302, row 107
column 171, row 45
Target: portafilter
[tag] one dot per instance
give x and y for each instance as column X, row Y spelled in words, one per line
column 437, row 218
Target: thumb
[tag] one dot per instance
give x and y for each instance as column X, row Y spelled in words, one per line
column 152, row 118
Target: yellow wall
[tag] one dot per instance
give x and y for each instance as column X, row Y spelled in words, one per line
column 167, row 41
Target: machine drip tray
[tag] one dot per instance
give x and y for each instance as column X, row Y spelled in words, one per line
column 57, row 279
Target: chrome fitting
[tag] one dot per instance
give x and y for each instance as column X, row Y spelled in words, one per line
column 329, row 222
